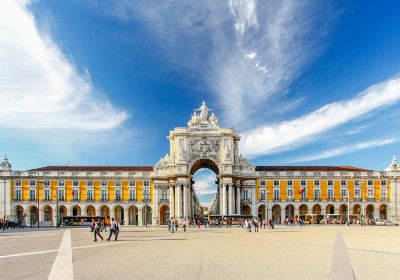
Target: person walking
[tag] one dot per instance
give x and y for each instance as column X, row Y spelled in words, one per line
column 97, row 231
column 113, row 229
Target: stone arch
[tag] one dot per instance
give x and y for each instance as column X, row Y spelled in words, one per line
column 75, row 210
column 261, row 212
column 370, row 211
column 343, row 209
column 20, row 214
column 47, row 213
column 119, row 213
column 105, row 211
column 164, row 214
column 316, row 209
column 34, row 214
column 383, row 212
column 204, row 163
column 90, row 211
column 245, row 210
column 330, row 209
column 303, row 210
column 147, row 214
column 289, row 211
column 62, row 211
column 276, row 213
column 357, row 209
column 133, row 215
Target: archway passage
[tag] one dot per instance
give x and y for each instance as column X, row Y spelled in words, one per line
column 164, row 215
column 203, row 191
column 316, row 210
column 357, row 209
column 147, row 214
column 330, row 209
column 303, row 210
column 245, row 210
column 76, row 211
column 383, row 212
column 133, row 215
column 90, row 211
column 289, row 212
column 19, row 213
column 48, row 213
column 105, row 212
column 119, row 214
column 261, row 212
column 370, row 211
column 276, row 213
column 343, row 209
column 34, row 213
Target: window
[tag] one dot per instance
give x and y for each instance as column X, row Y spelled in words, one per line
column 18, row 183
column 132, row 183
column 330, row 182
column 316, row 182
column 61, row 183
column 32, row 195
column 262, row 183
column 330, row 193
column 276, row 194
column 89, row 183
column 46, row 183
column 370, row 193
column 343, row 182
column 357, row 182
column 245, row 195
column 164, row 194
column 104, row 196
column 290, row 182
column 61, row 196
column 47, row 195
column 104, row 183
column 118, row 183
column 290, row 193
column 132, row 195
column 370, row 183
column 146, row 183
column 383, row 193
column 75, row 194
column 146, row 193
column 17, row 195
column 317, row 193
column 118, row 195
column 303, row 182
column 75, row 183
column 357, row 193
column 276, row 183
column 383, row 182
column 262, row 195
column 32, row 183
column 89, row 194
column 303, row 195
column 343, row 193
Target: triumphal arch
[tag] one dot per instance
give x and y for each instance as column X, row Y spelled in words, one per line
column 203, row 144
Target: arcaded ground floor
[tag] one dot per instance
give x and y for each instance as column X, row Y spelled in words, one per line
column 311, row 252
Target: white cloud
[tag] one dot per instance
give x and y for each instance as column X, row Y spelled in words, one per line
column 39, row 87
column 205, row 183
column 245, row 52
column 290, row 134
column 345, row 150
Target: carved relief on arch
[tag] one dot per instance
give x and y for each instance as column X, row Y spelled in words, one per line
column 201, row 162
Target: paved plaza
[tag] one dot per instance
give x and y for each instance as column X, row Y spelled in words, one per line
column 319, row 252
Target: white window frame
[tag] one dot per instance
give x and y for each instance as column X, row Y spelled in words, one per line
column 89, row 183
column 303, row 183
column 383, row 182
column 245, row 194
column 104, row 183
column 17, row 183
column 276, row 183
column 116, row 197
column 103, row 194
column 357, row 192
column 262, row 182
column 316, row 182
column 329, row 182
column 290, row 182
column 370, row 182
column 61, row 183
column 263, row 194
column 319, row 193
column 277, row 194
column 146, row 183
column 331, row 193
column 343, row 191
column 132, row 197
column 90, row 194
column 47, row 194
column 75, row 183
column 383, row 193
column 61, row 194
column 32, row 183
column 118, row 183
column 18, row 194
column 32, row 197
column 290, row 193
column 132, row 183
column 370, row 193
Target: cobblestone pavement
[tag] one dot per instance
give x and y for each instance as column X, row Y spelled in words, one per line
column 310, row 252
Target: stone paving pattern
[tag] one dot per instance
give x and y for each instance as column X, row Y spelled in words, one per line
column 311, row 252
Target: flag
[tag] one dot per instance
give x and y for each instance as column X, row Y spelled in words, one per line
column 73, row 193
column 302, row 190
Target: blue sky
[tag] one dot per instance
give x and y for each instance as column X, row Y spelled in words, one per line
column 103, row 82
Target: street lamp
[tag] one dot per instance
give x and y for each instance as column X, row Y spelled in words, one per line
column 144, row 193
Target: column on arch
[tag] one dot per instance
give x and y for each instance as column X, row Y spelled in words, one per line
column 171, row 201
column 230, row 199
column 238, row 197
column 185, row 200
column 224, row 199
column 126, row 215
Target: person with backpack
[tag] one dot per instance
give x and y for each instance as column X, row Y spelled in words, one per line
column 114, row 229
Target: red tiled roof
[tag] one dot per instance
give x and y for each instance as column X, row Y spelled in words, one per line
column 309, row 168
column 95, row 168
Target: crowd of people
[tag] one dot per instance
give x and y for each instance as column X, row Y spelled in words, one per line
column 8, row 224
